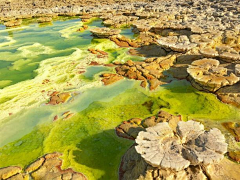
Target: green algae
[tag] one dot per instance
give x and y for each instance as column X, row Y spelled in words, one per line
column 76, row 136
column 88, row 141
column 25, row 150
column 93, row 71
column 179, row 97
column 31, row 45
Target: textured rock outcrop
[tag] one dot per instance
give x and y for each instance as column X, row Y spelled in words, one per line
column 13, row 23
column 44, row 19
column 130, row 129
column 230, row 94
column 160, row 147
column 179, row 44
column 46, row 167
column 58, row 98
column 206, row 74
column 104, row 32
column 208, row 146
column 150, row 71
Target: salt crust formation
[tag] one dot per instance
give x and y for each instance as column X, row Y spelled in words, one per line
column 208, row 75
column 46, row 167
column 191, row 145
column 179, row 44
column 163, row 130
column 104, row 32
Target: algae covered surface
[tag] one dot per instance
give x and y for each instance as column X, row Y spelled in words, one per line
column 87, row 140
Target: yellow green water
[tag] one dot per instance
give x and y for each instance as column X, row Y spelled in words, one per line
column 87, row 140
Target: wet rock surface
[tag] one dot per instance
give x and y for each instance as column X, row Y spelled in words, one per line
column 58, row 98
column 234, row 129
column 110, row 78
column 46, row 167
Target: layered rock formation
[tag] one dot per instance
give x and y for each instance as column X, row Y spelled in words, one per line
column 149, row 71
column 104, row 32
column 207, row 74
column 179, row 44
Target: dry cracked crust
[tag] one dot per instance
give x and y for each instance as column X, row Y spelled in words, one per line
column 133, row 165
column 46, row 167
column 160, row 147
column 206, row 74
column 148, row 72
column 104, row 32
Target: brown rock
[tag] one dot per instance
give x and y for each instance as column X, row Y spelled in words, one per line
column 19, row 177
column 234, row 155
column 144, row 83
column 123, row 41
column 94, row 63
column 154, row 83
column 57, row 98
column 111, row 78
column 129, row 129
column 13, row 23
column 230, row 94
column 102, row 52
column 51, row 169
column 223, row 170
column 149, row 70
column 233, row 128
column 34, row 166
column 206, row 74
column 10, row 171
column 44, row 19
column 104, row 32
column 148, row 51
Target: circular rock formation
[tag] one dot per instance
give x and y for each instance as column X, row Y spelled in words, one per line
column 104, row 32
column 206, row 74
column 191, row 145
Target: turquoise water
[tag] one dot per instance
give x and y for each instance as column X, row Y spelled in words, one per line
column 33, row 44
